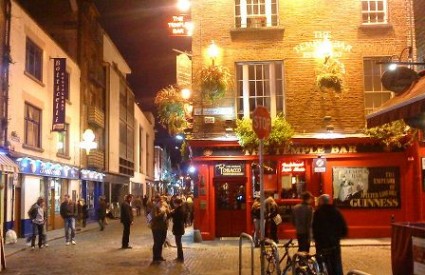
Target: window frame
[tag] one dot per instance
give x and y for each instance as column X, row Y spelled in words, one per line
column 28, row 120
column 65, row 150
column 244, row 95
column 246, row 17
column 33, row 60
column 374, row 12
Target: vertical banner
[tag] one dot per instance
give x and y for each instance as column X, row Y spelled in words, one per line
column 60, row 91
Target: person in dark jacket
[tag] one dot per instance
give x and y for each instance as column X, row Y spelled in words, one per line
column 38, row 218
column 69, row 212
column 101, row 213
column 255, row 215
column 179, row 218
column 302, row 216
column 159, row 226
column 126, row 220
column 329, row 227
column 271, row 211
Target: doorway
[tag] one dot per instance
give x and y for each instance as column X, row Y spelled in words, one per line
column 17, row 210
column 230, row 207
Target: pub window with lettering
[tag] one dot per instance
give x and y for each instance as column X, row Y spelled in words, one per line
column 32, row 126
column 34, row 60
column 260, row 84
column 256, row 13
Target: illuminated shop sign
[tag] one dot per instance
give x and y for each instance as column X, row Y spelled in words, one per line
column 181, row 25
column 91, row 175
column 229, row 169
column 60, row 92
column 322, row 45
column 48, row 169
column 319, row 165
column 366, row 187
column 293, row 167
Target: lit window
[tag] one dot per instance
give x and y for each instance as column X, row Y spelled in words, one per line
column 34, row 60
column 374, row 12
column 260, row 83
column 32, row 126
column 63, row 142
column 256, row 13
column 375, row 93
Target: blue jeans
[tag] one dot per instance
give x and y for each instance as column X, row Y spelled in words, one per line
column 69, row 226
column 38, row 229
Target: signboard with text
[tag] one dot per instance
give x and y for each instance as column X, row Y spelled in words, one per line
column 180, row 25
column 366, row 187
column 229, row 170
column 261, row 122
column 48, row 169
column 60, row 91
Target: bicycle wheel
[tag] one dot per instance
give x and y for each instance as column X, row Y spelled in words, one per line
column 270, row 264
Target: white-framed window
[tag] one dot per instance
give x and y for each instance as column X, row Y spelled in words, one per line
column 374, row 12
column 63, row 141
column 375, row 93
column 32, row 126
column 33, row 60
column 256, row 13
column 260, row 83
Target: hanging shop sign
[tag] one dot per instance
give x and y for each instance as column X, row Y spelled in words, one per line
column 229, row 170
column 180, row 25
column 319, row 165
column 47, row 169
column 366, row 187
column 293, row 167
column 60, row 92
column 91, row 175
column 183, row 70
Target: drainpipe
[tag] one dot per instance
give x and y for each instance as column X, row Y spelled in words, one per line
column 5, row 72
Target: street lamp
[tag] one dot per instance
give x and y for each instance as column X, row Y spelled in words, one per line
column 88, row 142
column 213, row 51
column 183, row 5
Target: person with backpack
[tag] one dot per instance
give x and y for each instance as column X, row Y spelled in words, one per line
column 37, row 214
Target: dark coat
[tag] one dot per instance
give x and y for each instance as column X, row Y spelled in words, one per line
column 126, row 213
column 101, row 210
column 68, row 210
column 328, row 227
column 179, row 219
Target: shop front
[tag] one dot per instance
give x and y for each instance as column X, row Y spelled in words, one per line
column 91, row 189
column 115, row 188
column 39, row 178
column 372, row 187
column 8, row 177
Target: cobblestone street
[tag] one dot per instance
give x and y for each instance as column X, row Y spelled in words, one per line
column 99, row 252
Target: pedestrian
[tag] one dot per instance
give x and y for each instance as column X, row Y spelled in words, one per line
column 126, row 220
column 101, row 213
column 255, row 214
column 272, row 210
column 302, row 216
column 179, row 219
column 329, row 227
column 38, row 218
column 82, row 213
column 68, row 211
column 138, row 205
column 159, row 227
column 190, row 210
column 145, row 203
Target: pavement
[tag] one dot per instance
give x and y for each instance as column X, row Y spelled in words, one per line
column 98, row 252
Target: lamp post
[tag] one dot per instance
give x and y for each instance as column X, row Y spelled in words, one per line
column 213, row 51
column 88, row 142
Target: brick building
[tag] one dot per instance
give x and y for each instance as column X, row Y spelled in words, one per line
column 275, row 51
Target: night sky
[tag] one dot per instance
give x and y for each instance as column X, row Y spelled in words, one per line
column 139, row 30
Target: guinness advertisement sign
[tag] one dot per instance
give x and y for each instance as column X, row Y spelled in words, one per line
column 229, row 170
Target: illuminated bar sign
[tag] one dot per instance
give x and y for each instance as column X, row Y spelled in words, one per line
column 60, row 91
column 92, row 175
column 181, row 25
column 48, row 169
column 293, row 166
column 229, row 169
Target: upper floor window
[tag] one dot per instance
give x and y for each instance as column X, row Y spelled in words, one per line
column 259, row 83
column 32, row 126
column 256, row 13
column 63, row 142
column 374, row 12
column 375, row 93
column 34, row 60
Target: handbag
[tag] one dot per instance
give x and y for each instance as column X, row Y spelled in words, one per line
column 277, row 219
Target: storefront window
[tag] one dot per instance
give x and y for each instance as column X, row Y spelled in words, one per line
column 55, row 194
column 90, row 195
column 230, row 196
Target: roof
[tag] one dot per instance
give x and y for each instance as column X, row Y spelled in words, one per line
column 405, row 105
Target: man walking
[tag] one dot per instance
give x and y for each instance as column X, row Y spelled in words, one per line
column 68, row 211
column 38, row 217
column 179, row 219
column 302, row 216
column 126, row 220
column 101, row 213
column 328, row 228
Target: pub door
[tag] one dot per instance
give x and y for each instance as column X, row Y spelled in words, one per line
column 230, row 207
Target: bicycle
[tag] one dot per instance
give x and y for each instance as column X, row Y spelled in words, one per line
column 273, row 262
column 304, row 263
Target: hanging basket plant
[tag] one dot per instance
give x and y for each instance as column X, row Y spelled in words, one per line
column 393, row 135
column 247, row 138
column 169, row 105
column 213, row 82
column 280, row 134
column 330, row 76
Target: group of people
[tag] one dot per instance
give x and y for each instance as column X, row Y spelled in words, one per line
column 325, row 223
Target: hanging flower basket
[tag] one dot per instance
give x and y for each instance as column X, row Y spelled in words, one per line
column 169, row 104
column 214, row 81
column 330, row 76
column 393, row 135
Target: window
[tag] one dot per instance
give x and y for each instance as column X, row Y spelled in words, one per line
column 32, row 126
column 256, row 13
column 260, row 83
column 141, row 151
column 375, row 93
column 63, row 141
column 34, row 60
column 374, row 12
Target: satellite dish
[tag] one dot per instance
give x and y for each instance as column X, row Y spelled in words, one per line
column 398, row 80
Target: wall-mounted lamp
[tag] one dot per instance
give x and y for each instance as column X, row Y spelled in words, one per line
column 183, row 5
column 213, row 51
column 324, row 49
column 88, row 142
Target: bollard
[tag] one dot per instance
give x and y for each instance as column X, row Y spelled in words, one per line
column 197, row 237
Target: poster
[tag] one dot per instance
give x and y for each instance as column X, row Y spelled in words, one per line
column 366, row 187
column 418, row 247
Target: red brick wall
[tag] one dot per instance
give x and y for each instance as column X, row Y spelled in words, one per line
column 419, row 9
column 305, row 107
